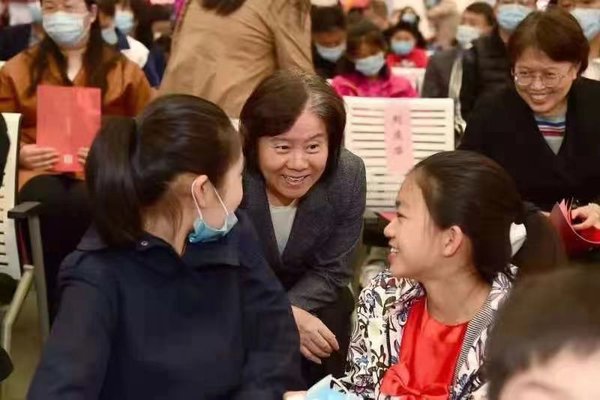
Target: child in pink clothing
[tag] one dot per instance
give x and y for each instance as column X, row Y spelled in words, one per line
column 365, row 73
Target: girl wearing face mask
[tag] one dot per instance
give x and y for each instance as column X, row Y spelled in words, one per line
column 72, row 53
column 364, row 72
column 404, row 49
column 422, row 325
column 544, row 129
column 328, row 38
column 168, row 295
column 127, row 45
column 588, row 16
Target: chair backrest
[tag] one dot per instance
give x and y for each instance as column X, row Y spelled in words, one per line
column 432, row 123
column 9, row 252
column 416, row 76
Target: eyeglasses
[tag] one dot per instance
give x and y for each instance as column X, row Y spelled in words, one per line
column 548, row 79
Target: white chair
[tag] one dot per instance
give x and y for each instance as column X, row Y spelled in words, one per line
column 10, row 262
column 432, row 123
column 416, row 76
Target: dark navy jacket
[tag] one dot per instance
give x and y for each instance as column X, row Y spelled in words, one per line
column 146, row 324
column 13, row 40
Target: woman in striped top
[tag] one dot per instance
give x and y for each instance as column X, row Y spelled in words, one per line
column 545, row 130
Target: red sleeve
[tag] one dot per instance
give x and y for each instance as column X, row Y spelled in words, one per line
column 420, row 58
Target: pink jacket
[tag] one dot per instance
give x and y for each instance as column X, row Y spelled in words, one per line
column 360, row 86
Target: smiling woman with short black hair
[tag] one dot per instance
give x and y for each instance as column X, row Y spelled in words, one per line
column 544, row 129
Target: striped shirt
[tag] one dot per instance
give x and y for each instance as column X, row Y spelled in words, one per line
column 553, row 130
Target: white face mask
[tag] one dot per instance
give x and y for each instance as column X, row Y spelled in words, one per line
column 19, row 13
column 66, row 29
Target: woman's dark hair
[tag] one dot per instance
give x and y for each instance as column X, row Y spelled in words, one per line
column 363, row 32
column 544, row 316
column 413, row 29
column 554, row 32
column 327, row 19
column 99, row 58
column 484, row 9
column 471, row 191
column 133, row 161
column 277, row 103
column 223, row 7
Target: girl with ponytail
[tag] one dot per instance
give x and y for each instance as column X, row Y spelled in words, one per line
column 168, row 295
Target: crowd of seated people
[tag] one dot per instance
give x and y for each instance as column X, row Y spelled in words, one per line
column 208, row 248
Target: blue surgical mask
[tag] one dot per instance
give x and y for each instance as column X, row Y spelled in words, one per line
column 370, row 66
column 35, row 8
column 125, row 21
column 331, row 54
column 511, row 15
column 402, row 47
column 110, row 35
column 409, row 18
column 64, row 28
column 323, row 390
column 205, row 233
column 466, row 34
column 589, row 19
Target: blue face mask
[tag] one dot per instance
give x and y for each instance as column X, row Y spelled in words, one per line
column 35, row 9
column 402, row 47
column 65, row 29
column 110, row 35
column 409, row 18
column 466, row 34
column 511, row 15
column 589, row 20
column 124, row 21
column 205, row 233
column 323, row 390
column 370, row 66
column 331, row 54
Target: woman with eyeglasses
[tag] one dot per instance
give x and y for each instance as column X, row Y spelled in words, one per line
column 544, row 130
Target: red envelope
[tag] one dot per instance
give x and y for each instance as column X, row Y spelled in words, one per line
column 68, row 119
column 576, row 242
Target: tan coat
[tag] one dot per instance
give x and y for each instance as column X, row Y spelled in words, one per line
column 223, row 58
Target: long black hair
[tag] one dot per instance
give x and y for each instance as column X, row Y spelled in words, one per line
column 132, row 162
column 98, row 59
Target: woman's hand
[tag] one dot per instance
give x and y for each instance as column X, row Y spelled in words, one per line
column 82, row 155
column 589, row 215
column 32, row 156
column 316, row 340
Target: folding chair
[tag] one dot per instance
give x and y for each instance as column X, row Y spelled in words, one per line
column 10, row 262
column 416, row 76
column 432, row 122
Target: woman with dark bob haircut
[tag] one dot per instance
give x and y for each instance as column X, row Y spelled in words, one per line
column 168, row 295
column 306, row 196
column 544, row 129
